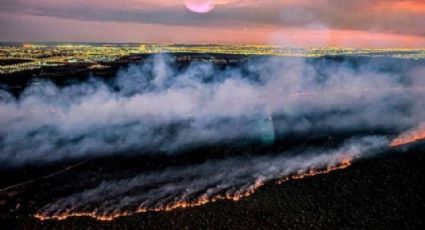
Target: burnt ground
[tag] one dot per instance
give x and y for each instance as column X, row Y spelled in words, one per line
column 377, row 193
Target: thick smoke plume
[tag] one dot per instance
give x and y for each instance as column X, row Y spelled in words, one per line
column 157, row 107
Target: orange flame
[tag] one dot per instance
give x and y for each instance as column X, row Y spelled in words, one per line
column 345, row 163
column 204, row 199
column 411, row 136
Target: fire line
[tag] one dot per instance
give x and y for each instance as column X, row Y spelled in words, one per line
column 344, row 163
column 405, row 138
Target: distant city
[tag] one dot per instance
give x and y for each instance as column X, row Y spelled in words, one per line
column 16, row 57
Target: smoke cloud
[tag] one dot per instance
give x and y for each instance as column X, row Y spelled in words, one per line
column 160, row 107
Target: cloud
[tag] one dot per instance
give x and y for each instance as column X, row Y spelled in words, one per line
column 374, row 16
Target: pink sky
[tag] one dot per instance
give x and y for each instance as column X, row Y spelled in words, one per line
column 294, row 23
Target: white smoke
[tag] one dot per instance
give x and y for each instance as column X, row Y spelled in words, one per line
column 157, row 106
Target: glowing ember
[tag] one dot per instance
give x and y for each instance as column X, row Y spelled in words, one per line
column 204, row 199
column 410, row 136
column 345, row 163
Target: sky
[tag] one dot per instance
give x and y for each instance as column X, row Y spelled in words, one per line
column 289, row 23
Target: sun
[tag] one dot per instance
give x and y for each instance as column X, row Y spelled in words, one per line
column 199, row 6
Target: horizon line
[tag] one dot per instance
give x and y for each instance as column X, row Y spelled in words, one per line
column 207, row 44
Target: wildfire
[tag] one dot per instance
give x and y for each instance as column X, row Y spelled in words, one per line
column 204, row 199
column 411, row 136
column 345, row 163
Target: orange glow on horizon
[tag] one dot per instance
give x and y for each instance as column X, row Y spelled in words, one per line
column 410, row 6
column 254, row 35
